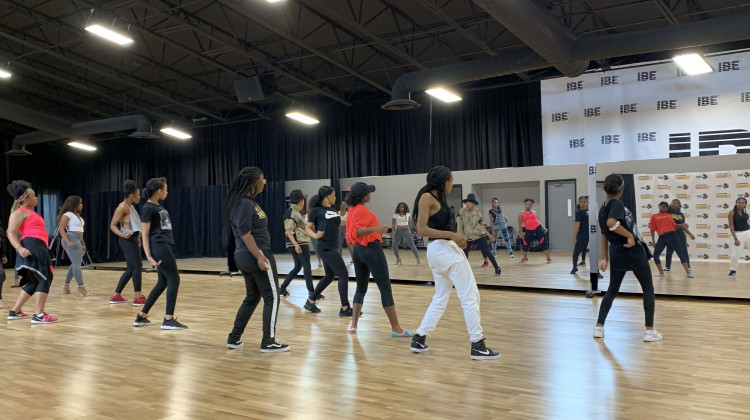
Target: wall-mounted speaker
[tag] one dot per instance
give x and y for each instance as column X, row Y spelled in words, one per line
column 249, row 90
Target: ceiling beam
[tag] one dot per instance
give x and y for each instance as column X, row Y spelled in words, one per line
column 455, row 25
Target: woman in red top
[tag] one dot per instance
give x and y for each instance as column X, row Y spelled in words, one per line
column 364, row 232
column 33, row 265
column 663, row 223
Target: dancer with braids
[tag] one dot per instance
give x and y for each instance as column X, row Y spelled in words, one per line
column 401, row 231
column 469, row 224
column 499, row 225
column 663, row 224
column 248, row 225
column 738, row 227
column 364, row 231
column 531, row 229
column 323, row 224
column 33, row 264
column 298, row 243
column 624, row 247
column 70, row 225
column 580, row 233
column 129, row 238
column 448, row 264
column 675, row 209
column 4, row 260
column 157, row 245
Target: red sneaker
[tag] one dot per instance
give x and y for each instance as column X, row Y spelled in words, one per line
column 139, row 301
column 17, row 315
column 45, row 318
column 549, row 260
column 523, row 260
column 117, row 299
column 485, row 264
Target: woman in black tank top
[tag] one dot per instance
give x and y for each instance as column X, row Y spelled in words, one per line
column 738, row 226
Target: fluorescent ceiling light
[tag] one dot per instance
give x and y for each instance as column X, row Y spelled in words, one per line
column 693, row 64
column 304, row 119
column 443, row 95
column 109, row 34
column 82, row 146
column 5, row 74
column 273, row 1
column 174, row 132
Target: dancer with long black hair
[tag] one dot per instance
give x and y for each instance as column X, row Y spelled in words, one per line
column 157, row 245
column 33, row 263
column 738, row 227
column 531, row 229
column 401, row 231
column 129, row 237
column 323, row 224
column 364, row 231
column 70, row 225
column 247, row 223
column 298, row 243
column 625, row 249
column 469, row 223
column 580, row 233
column 675, row 209
column 448, row 264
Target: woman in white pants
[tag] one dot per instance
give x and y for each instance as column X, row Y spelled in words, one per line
column 740, row 232
column 448, row 264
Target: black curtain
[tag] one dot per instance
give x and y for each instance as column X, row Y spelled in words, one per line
column 628, row 192
column 488, row 129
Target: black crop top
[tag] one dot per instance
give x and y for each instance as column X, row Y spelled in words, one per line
column 740, row 221
column 442, row 219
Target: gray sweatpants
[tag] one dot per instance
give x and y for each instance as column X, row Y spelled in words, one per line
column 75, row 255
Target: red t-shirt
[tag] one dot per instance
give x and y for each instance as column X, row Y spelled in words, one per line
column 360, row 217
column 662, row 223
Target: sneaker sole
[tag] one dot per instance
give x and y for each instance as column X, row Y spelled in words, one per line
column 141, row 324
column 276, row 350
column 473, row 357
column 172, row 328
column 138, row 304
column 117, row 303
column 16, row 317
column 43, row 322
column 235, row 346
column 417, row 350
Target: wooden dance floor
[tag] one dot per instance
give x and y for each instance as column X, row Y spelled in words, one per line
column 94, row 364
column 710, row 277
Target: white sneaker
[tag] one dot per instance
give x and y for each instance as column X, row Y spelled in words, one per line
column 652, row 335
column 599, row 332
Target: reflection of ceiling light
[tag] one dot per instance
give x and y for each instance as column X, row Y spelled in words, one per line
column 693, row 64
column 175, row 132
column 109, row 34
column 273, row 1
column 443, row 95
column 5, row 74
column 304, row 119
column 82, row 146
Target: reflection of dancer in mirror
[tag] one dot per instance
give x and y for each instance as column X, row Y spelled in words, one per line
column 343, row 210
column 401, row 231
column 530, row 229
column 498, row 226
column 469, row 224
column 663, row 224
column 740, row 230
column 623, row 250
column 675, row 209
column 581, row 233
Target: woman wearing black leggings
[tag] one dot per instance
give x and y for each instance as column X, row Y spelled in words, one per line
column 675, row 209
column 580, row 233
column 627, row 252
column 157, row 244
column 323, row 224
column 364, row 231
column 248, row 225
column 129, row 238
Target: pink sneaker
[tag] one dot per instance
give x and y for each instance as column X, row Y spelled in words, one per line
column 17, row 315
column 485, row 264
column 549, row 260
column 44, row 318
column 523, row 260
column 139, row 301
column 117, row 299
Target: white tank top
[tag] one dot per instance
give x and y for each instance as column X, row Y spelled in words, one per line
column 402, row 221
column 76, row 222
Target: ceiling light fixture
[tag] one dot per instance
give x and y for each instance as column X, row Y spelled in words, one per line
column 443, row 95
column 693, row 64
column 176, row 132
column 4, row 74
column 82, row 146
column 303, row 118
column 109, row 34
column 273, row 1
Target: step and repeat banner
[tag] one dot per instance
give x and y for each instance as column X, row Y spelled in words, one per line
column 648, row 112
column 706, row 197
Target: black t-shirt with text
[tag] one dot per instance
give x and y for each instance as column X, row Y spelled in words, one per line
column 247, row 216
column 161, row 225
column 582, row 216
column 327, row 220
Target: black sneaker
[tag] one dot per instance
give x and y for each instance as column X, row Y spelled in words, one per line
column 480, row 352
column 272, row 345
column 667, row 269
column 732, row 273
column 498, row 271
column 172, row 324
column 141, row 321
column 582, row 264
column 418, row 345
column 283, row 292
column 311, row 296
column 574, row 270
column 17, row 315
column 345, row 312
column 321, row 297
column 234, row 344
column 310, row 306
